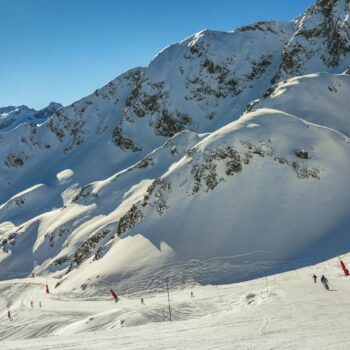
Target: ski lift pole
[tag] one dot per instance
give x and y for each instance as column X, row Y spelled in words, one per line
column 167, row 287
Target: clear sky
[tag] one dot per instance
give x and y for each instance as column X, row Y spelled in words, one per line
column 62, row 50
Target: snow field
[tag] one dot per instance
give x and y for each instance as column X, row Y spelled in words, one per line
column 284, row 311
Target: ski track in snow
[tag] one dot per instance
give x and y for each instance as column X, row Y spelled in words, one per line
column 124, row 165
column 284, row 311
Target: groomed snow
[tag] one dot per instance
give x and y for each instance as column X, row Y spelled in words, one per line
column 285, row 311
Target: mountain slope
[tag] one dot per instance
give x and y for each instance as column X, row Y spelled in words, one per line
column 193, row 166
column 321, row 42
column 11, row 117
column 263, row 185
column 77, row 137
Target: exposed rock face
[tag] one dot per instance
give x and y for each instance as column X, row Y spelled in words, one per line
column 15, row 161
column 206, row 172
column 322, row 41
column 133, row 216
column 58, row 235
column 302, row 154
column 91, row 246
column 124, row 142
column 155, row 195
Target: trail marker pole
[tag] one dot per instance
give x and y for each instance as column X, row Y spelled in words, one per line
column 167, row 288
column 267, row 285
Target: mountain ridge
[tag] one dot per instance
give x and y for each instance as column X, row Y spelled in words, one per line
column 148, row 164
column 13, row 116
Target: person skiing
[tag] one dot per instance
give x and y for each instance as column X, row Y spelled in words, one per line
column 315, row 278
column 325, row 282
column 9, row 315
column 31, row 304
column 192, row 295
column 142, row 301
column 40, row 303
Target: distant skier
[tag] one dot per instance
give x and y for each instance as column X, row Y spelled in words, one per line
column 315, row 278
column 325, row 282
column 192, row 295
column 31, row 304
column 142, row 301
column 40, row 303
column 9, row 315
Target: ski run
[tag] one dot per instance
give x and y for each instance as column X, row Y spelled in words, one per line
column 283, row 311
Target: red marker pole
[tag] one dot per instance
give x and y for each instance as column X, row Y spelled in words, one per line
column 345, row 270
column 114, row 294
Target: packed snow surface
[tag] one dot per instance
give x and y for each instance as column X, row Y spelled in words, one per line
column 284, row 311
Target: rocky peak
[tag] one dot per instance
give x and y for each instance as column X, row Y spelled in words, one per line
column 321, row 42
column 275, row 27
column 12, row 116
column 48, row 111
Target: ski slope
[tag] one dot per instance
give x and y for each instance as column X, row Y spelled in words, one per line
column 284, row 311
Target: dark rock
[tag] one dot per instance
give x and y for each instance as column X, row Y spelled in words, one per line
column 302, row 154
column 130, row 219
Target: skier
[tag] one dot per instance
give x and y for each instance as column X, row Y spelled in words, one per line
column 40, row 303
column 142, row 301
column 31, row 304
column 315, row 278
column 192, row 295
column 325, row 282
column 9, row 315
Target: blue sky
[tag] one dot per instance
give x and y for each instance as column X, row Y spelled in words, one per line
column 62, row 50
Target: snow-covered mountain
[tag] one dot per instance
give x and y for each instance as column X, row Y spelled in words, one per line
column 225, row 158
column 12, row 116
column 321, row 42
